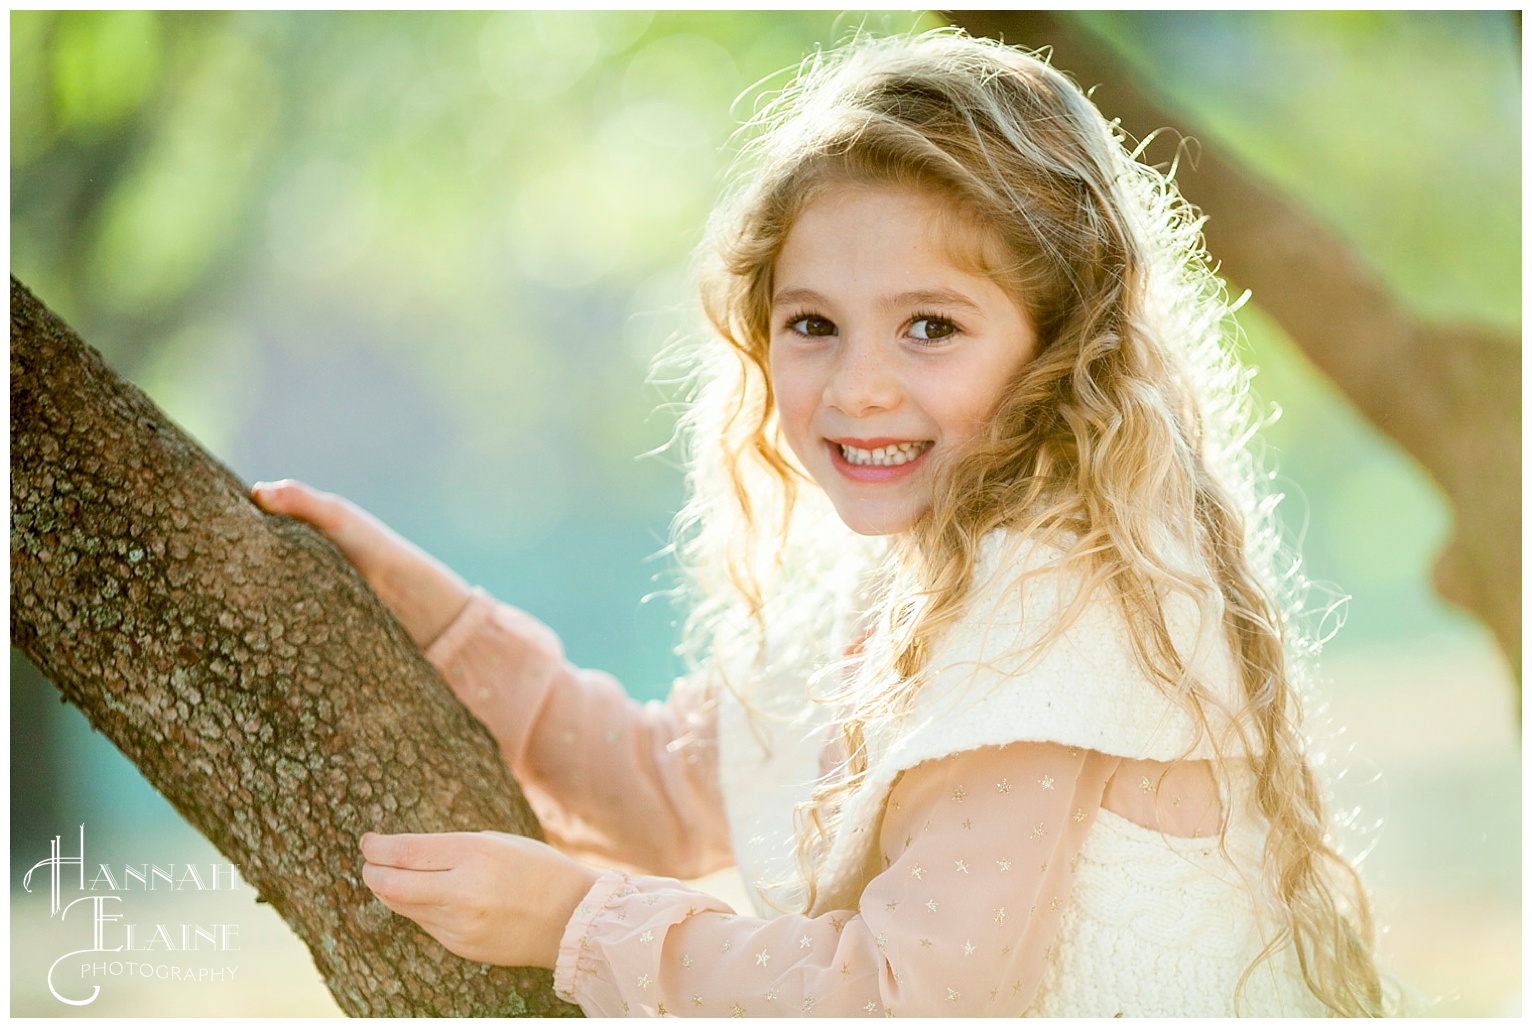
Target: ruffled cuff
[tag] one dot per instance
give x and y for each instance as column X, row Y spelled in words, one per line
column 470, row 619
column 574, row 964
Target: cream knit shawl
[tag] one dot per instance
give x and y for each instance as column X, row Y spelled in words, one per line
column 991, row 684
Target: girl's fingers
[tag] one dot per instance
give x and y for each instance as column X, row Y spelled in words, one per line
column 428, row 852
column 297, row 500
column 278, row 495
column 345, row 523
column 415, row 894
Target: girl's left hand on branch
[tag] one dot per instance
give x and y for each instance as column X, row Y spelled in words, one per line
column 486, row 896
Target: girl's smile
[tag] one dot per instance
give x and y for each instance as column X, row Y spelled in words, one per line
column 877, row 460
column 885, row 353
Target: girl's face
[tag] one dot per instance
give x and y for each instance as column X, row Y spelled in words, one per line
column 884, row 353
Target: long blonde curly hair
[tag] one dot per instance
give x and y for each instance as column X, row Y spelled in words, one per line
column 1124, row 442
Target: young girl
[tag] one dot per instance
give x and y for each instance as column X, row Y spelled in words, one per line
column 991, row 704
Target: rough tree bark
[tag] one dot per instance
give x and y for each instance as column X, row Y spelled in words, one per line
column 245, row 668
column 1449, row 394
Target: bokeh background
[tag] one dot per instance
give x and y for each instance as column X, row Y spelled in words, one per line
column 426, row 260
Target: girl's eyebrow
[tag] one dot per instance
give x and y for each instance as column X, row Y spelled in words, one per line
column 945, row 298
column 798, row 297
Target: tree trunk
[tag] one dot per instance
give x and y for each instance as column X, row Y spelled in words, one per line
column 249, row 673
column 1450, row 395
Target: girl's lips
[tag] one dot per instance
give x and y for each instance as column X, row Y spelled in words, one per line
column 872, row 473
column 873, row 444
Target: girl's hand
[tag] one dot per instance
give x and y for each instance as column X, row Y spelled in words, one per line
column 424, row 594
column 486, row 896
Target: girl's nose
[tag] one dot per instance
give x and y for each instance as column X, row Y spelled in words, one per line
column 860, row 380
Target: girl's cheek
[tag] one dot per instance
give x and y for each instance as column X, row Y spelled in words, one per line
column 792, row 387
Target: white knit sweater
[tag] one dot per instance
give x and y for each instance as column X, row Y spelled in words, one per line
column 1155, row 925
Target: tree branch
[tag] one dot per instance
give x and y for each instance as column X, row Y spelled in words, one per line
column 246, row 669
column 1449, row 394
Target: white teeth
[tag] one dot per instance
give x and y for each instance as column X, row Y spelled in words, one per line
column 883, row 456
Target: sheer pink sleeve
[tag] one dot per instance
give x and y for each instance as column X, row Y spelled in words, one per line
column 628, row 782
column 978, row 850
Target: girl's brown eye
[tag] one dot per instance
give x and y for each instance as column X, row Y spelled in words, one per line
column 814, row 327
column 932, row 328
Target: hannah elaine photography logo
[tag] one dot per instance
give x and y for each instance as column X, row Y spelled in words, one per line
column 136, row 947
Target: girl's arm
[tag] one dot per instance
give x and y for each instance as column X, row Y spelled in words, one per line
column 978, row 851
column 978, row 848
column 609, row 777
column 634, row 784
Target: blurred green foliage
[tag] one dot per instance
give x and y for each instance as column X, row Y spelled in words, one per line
column 425, row 259
column 498, row 208
column 1402, row 130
